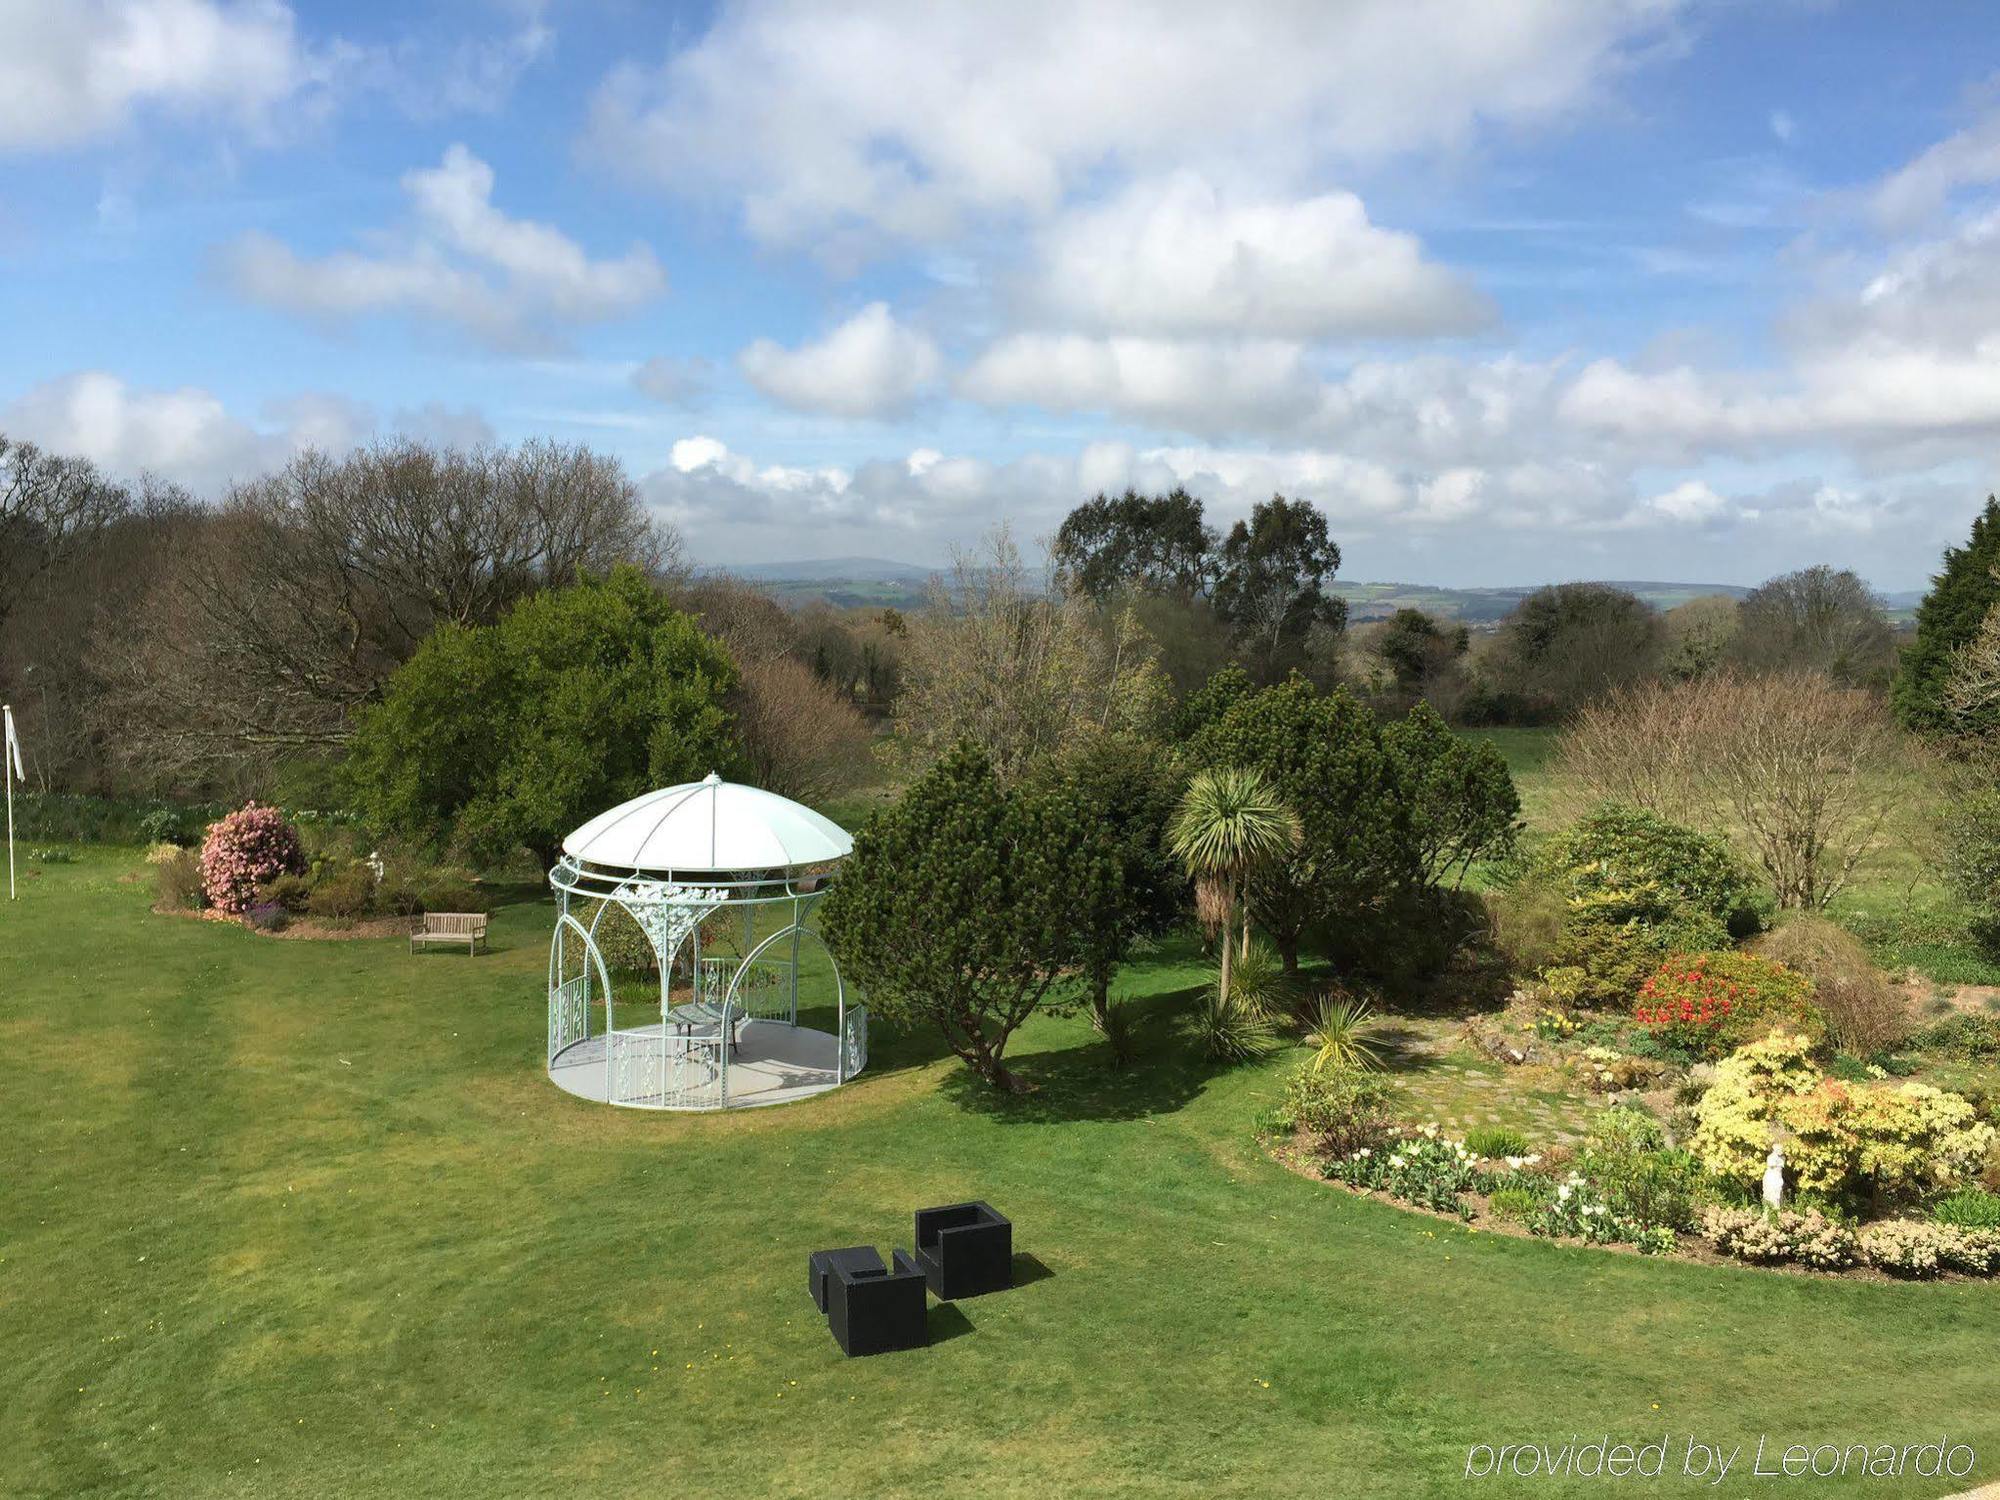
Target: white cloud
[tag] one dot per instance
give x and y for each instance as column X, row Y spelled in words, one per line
column 186, row 435
column 1783, row 126
column 1692, row 501
column 1922, row 186
column 864, row 120
column 1174, row 256
column 79, row 70
column 1190, row 385
column 462, row 261
column 870, row 366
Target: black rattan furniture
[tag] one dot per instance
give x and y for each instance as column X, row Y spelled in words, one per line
column 821, row 1263
column 965, row 1249
column 873, row 1310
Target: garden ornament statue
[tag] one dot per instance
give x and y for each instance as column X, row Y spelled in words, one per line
column 1774, row 1176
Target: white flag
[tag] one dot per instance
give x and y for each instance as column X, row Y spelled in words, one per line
column 13, row 743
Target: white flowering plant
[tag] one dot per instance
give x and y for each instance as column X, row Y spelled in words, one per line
column 1419, row 1165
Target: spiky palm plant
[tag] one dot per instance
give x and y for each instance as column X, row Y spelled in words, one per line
column 1230, row 821
column 1344, row 1035
column 1228, row 1031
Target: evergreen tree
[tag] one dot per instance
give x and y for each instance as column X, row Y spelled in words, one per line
column 1962, row 593
column 967, row 906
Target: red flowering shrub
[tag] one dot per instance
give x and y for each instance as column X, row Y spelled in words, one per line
column 1711, row 1003
column 251, row 845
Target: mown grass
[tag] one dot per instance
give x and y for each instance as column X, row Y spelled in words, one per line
column 293, row 1218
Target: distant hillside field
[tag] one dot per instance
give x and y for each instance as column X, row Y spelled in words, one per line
column 877, row 583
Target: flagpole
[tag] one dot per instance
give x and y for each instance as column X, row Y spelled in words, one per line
column 7, row 755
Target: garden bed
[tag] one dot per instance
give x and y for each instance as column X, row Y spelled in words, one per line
column 303, row 929
column 1480, row 1219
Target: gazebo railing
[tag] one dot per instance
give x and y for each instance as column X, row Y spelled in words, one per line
column 569, row 1013
column 762, row 993
column 655, row 1071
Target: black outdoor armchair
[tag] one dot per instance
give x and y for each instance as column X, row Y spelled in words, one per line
column 820, row 1267
column 873, row 1310
column 965, row 1249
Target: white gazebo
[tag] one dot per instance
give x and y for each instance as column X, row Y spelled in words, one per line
column 722, row 879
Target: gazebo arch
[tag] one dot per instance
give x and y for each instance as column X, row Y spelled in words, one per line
column 682, row 863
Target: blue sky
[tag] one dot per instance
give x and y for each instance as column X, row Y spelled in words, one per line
column 1530, row 290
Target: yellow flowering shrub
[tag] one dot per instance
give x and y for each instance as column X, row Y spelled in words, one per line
column 1887, row 1139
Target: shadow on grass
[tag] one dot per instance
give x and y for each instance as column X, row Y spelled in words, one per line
column 1029, row 1269
column 1080, row 1083
column 945, row 1322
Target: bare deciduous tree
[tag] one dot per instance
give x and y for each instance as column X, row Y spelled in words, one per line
column 799, row 737
column 286, row 611
column 1018, row 670
column 1795, row 768
column 51, row 507
column 1818, row 619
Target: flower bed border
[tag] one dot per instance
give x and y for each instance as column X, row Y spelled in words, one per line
column 1689, row 1247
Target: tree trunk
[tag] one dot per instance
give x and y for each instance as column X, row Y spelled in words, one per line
column 1228, row 948
column 1287, row 944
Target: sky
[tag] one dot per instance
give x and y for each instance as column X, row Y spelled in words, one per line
column 1515, row 292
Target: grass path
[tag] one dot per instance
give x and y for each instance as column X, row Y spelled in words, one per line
column 306, row 1218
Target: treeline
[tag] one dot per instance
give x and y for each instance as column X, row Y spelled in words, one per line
column 155, row 645
column 160, row 646
column 1258, row 598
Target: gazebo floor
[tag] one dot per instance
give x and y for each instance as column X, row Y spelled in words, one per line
column 773, row 1064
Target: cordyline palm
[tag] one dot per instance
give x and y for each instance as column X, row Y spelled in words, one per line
column 1229, row 822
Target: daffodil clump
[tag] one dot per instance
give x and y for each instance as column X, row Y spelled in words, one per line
column 1420, row 1166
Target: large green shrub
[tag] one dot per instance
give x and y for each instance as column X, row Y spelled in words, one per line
column 1971, row 864
column 344, row 893
column 965, row 907
column 1118, row 794
column 1630, row 865
column 1463, row 807
column 509, row 735
column 1634, row 888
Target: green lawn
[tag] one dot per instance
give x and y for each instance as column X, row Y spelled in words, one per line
column 294, row 1218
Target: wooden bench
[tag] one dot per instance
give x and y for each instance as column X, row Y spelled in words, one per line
column 454, row 927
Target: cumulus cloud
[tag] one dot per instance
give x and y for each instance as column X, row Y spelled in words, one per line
column 870, row 366
column 186, row 434
column 84, row 69
column 1192, row 385
column 1175, row 256
column 1535, row 514
column 883, row 119
column 507, row 281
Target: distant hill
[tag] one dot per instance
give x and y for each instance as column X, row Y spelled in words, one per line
column 831, row 570
column 879, row 583
column 1376, row 601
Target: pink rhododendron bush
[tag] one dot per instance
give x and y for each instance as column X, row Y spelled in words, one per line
column 251, row 845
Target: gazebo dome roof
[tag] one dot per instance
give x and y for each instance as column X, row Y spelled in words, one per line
column 708, row 825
